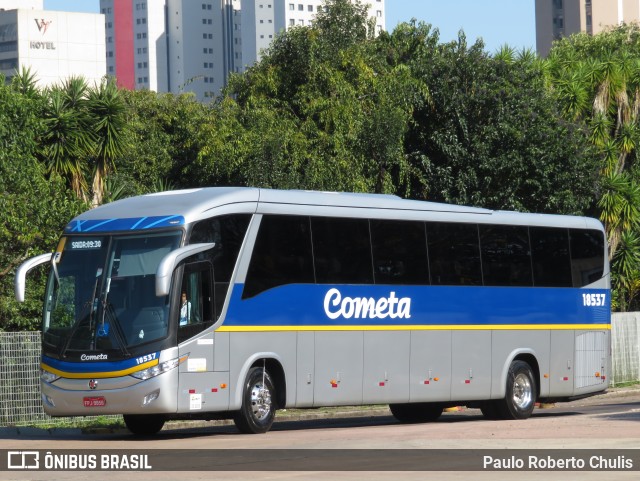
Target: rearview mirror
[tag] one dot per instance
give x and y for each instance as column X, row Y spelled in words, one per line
column 21, row 273
column 171, row 260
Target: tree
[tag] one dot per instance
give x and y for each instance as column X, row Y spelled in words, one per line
column 24, row 82
column 488, row 133
column 69, row 139
column 597, row 81
column 107, row 108
column 164, row 136
column 35, row 209
column 321, row 110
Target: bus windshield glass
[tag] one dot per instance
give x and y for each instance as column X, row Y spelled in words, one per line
column 101, row 295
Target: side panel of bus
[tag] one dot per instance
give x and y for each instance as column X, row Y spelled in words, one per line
column 467, row 358
column 561, row 363
column 430, row 368
column 533, row 345
column 471, row 365
column 387, row 357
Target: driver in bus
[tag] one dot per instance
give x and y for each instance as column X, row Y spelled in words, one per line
column 185, row 310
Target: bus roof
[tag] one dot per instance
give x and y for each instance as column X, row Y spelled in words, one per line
column 180, row 207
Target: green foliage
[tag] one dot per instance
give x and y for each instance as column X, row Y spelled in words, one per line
column 68, row 137
column 34, row 209
column 490, row 134
column 107, row 110
column 162, row 139
column 333, row 107
column 321, row 110
column 626, row 277
column 597, row 82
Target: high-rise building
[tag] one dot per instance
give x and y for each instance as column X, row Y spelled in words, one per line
column 53, row 45
column 193, row 45
column 560, row 18
column 170, row 45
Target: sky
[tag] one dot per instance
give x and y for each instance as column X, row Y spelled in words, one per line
column 497, row 22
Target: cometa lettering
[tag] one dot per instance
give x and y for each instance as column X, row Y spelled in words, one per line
column 336, row 306
column 94, row 357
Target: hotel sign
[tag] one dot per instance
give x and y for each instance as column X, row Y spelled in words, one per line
column 42, row 45
column 42, row 25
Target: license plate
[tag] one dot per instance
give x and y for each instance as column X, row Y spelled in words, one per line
column 93, row 402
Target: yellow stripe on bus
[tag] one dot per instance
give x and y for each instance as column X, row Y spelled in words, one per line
column 471, row 327
column 99, row 375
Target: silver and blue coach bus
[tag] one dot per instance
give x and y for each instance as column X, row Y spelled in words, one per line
column 236, row 302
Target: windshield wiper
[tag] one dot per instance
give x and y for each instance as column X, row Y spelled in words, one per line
column 82, row 319
column 92, row 305
column 107, row 310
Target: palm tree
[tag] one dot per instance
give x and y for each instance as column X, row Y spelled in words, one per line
column 24, row 82
column 108, row 110
column 603, row 92
column 67, row 142
column 627, row 275
column 597, row 82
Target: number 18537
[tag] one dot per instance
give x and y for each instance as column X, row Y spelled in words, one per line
column 593, row 300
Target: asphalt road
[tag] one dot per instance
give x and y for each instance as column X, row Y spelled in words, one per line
column 607, row 424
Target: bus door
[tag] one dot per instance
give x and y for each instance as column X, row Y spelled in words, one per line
column 200, row 389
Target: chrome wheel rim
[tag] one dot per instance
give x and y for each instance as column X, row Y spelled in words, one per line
column 260, row 401
column 522, row 391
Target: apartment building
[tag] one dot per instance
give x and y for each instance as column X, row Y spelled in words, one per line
column 560, row 18
column 193, row 45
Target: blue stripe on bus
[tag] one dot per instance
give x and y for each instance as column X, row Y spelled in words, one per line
column 94, row 367
column 304, row 305
column 132, row 223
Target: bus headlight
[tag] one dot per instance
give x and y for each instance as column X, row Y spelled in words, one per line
column 47, row 376
column 158, row 369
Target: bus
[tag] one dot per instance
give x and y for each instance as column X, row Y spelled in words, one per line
column 233, row 303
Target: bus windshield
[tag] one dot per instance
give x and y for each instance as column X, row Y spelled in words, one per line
column 101, row 295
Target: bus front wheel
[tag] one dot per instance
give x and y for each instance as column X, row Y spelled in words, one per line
column 143, row 424
column 258, row 403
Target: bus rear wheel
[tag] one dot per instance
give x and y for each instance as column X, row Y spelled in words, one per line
column 258, row 403
column 144, row 424
column 520, row 396
column 416, row 412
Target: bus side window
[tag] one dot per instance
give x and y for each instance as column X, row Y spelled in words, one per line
column 399, row 252
column 227, row 232
column 506, row 257
column 587, row 256
column 454, row 254
column 550, row 257
column 282, row 254
column 342, row 250
column 196, row 300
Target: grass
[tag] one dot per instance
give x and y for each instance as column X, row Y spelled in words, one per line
column 625, row 384
column 85, row 422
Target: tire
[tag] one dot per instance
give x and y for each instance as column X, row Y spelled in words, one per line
column 416, row 412
column 144, row 424
column 520, row 396
column 258, row 403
